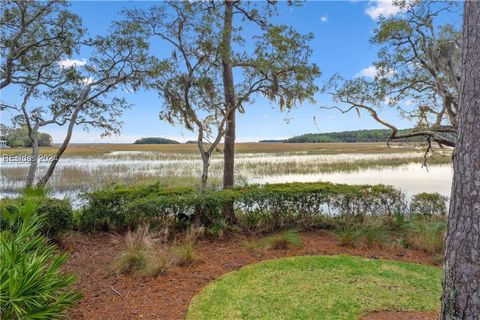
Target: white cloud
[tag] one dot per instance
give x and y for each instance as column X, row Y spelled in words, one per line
column 369, row 72
column 384, row 8
column 67, row 63
column 324, row 18
column 88, row 80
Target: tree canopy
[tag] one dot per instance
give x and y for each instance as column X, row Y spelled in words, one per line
column 417, row 73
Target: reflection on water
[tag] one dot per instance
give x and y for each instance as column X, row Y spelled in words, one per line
column 411, row 178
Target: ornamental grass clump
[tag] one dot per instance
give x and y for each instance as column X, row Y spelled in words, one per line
column 428, row 236
column 184, row 253
column 283, row 240
column 141, row 257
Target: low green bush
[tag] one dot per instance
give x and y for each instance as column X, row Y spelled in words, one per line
column 258, row 207
column 428, row 204
column 56, row 214
column 32, row 284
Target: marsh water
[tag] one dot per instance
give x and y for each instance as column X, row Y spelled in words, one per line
column 74, row 174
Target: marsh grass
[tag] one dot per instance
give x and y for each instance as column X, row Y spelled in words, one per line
column 78, row 149
column 91, row 166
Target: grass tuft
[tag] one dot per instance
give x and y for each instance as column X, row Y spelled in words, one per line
column 428, row 236
column 141, row 256
column 283, row 240
column 348, row 236
column 184, row 252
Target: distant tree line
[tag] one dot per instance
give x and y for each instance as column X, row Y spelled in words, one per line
column 19, row 137
column 373, row 135
column 155, row 140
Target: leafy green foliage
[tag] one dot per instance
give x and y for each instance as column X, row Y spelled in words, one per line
column 19, row 138
column 32, row 284
column 56, row 214
column 428, row 204
column 268, row 207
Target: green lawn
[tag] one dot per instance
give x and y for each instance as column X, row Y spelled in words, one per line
column 318, row 287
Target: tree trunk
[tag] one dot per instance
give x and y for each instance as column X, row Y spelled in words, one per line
column 228, row 87
column 204, row 179
column 461, row 281
column 229, row 93
column 43, row 181
column 197, row 219
column 34, row 163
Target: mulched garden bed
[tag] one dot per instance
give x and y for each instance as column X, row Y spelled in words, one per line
column 111, row 296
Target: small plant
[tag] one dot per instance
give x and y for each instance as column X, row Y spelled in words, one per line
column 283, row 240
column 249, row 245
column 141, row 257
column 32, row 284
column 217, row 230
column 348, row 236
column 184, row 252
column 374, row 236
column 427, row 236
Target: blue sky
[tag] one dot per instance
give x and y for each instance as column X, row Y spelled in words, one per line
column 342, row 30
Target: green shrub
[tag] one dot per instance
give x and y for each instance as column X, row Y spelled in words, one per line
column 428, row 204
column 283, row 240
column 32, row 284
column 56, row 214
column 259, row 208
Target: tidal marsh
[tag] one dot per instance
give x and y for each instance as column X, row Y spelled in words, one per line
column 88, row 167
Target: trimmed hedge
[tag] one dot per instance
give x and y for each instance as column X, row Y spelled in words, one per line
column 119, row 208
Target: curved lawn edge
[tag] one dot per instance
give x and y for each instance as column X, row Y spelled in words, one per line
column 313, row 287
